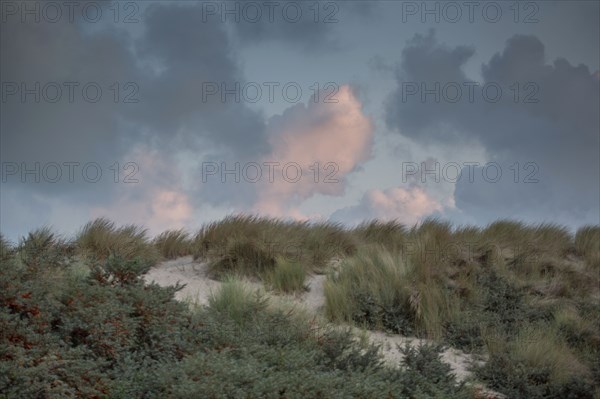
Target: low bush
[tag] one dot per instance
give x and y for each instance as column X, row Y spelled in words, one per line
column 116, row 270
column 106, row 334
column 424, row 365
column 536, row 363
column 43, row 248
column 479, row 289
column 67, row 334
column 87, row 326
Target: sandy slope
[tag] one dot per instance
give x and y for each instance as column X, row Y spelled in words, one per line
column 199, row 287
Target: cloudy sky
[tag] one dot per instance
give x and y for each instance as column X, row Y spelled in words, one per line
column 173, row 114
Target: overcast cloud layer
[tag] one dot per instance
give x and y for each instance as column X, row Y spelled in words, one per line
column 175, row 114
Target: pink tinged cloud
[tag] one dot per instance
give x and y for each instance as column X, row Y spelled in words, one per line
column 156, row 201
column 407, row 205
column 333, row 138
column 158, row 210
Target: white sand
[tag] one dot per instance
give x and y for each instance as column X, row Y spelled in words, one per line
column 198, row 286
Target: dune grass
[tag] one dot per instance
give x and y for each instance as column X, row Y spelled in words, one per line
column 501, row 290
column 380, row 289
column 173, row 243
column 242, row 256
column 587, row 244
column 390, row 235
column 43, row 247
column 526, row 296
column 5, row 247
column 101, row 238
column 287, row 277
column 369, row 283
column 236, row 300
column 250, row 245
column 537, row 363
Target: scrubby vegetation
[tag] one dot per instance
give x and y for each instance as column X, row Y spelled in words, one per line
column 586, row 244
column 288, row 276
column 381, row 290
column 5, row 248
column 77, row 319
column 95, row 330
column 173, row 243
column 250, row 245
column 100, row 239
column 514, row 292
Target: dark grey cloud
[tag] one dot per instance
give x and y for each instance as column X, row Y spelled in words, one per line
column 311, row 27
column 194, row 54
column 166, row 65
column 306, row 25
column 58, row 55
column 166, row 58
column 553, row 123
column 164, row 61
column 425, row 62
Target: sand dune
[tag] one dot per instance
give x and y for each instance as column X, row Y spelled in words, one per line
column 199, row 286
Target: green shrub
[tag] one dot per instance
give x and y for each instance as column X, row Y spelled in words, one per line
column 88, row 326
column 424, row 365
column 68, row 336
column 536, row 364
column 105, row 334
column 279, row 355
column 499, row 308
column 465, row 331
column 116, row 270
column 42, row 249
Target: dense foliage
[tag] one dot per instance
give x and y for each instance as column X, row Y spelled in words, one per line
column 77, row 319
column 525, row 296
column 89, row 328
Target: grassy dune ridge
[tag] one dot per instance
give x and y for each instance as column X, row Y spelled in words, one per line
column 524, row 296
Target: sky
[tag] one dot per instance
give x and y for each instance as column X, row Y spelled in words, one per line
column 175, row 114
